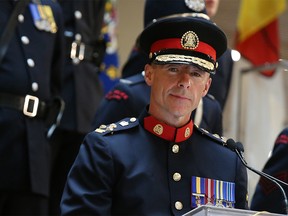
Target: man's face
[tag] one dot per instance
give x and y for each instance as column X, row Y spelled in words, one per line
column 176, row 90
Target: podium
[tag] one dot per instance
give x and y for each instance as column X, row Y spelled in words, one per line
column 218, row 211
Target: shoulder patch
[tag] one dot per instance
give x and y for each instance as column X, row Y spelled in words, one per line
column 220, row 139
column 116, row 94
column 282, row 139
column 123, row 124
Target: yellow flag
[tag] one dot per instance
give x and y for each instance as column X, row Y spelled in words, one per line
column 256, row 14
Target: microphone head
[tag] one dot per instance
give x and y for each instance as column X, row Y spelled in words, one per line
column 231, row 144
column 240, row 146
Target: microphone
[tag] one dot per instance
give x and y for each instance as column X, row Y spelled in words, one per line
column 239, row 149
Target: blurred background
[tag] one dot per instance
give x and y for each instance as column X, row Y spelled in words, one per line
column 130, row 23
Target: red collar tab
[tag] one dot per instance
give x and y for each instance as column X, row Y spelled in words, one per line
column 167, row 132
column 175, row 43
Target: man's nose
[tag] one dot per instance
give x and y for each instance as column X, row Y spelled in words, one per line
column 184, row 80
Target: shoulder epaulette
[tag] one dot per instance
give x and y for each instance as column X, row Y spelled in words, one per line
column 210, row 96
column 124, row 124
column 135, row 79
column 215, row 137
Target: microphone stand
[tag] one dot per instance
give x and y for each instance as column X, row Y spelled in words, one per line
column 265, row 175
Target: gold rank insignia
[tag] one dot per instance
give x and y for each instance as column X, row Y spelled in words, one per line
column 158, row 129
column 111, row 128
column 187, row 132
column 190, row 40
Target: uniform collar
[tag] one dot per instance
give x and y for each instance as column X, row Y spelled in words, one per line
column 168, row 132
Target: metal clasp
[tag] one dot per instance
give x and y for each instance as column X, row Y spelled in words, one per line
column 26, row 108
column 77, row 50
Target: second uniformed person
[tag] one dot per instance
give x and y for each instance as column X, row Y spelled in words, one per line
column 158, row 164
column 29, row 78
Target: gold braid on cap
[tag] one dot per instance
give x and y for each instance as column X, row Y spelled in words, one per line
column 192, row 59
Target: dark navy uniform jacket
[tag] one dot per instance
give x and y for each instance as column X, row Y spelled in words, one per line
column 267, row 196
column 131, row 95
column 32, row 65
column 126, row 170
column 82, row 90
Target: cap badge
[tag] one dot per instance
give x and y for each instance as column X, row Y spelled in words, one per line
column 196, row 5
column 187, row 132
column 158, row 129
column 190, row 40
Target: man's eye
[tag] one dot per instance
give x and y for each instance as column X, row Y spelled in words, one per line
column 172, row 69
column 195, row 74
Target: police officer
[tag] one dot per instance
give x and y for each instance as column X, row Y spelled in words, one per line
column 157, row 164
column 81, row 90
column 131, row 94
column 267, row 196
column 29, row 79
column 153, row 10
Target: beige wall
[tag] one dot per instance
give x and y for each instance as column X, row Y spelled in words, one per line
column 130, row 25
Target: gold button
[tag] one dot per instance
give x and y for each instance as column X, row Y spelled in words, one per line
column 178, row 205
column 176, row 176
column 175, row 148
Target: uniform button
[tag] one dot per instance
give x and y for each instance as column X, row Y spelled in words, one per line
column 34, row 86
column 78, row 14
column 176, row 176
column 175, row 148
column 30, row 62
column 178, row 205
column 78, row 37
column 20, row 18
column 25, row 40
column 133, row 119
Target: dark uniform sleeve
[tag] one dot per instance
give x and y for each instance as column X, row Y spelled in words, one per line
column 268, row 196
column 88, row 190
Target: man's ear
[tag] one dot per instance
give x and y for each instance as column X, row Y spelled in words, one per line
column 207, row 86
column 148, row 74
